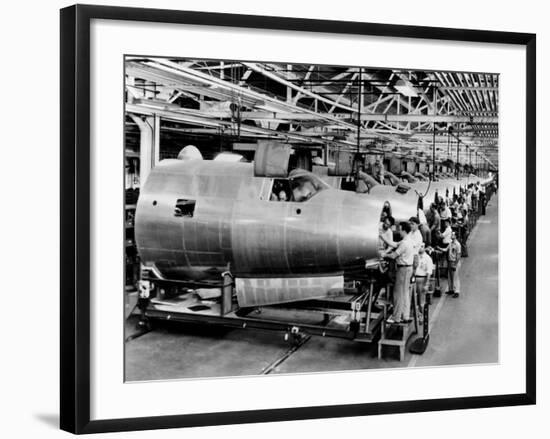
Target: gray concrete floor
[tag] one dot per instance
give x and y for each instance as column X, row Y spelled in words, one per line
column 463, row 331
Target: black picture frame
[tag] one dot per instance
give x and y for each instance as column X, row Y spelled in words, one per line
column 75, row 217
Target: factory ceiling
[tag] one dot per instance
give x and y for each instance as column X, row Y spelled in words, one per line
column 353, row 108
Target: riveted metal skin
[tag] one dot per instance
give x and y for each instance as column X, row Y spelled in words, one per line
column 234, row 223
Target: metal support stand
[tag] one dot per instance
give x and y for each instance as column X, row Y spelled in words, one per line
column 227, row 293
column 144, row 294
column 359, row 319
column 420, row 344
column 398, row 334
column 437, row 282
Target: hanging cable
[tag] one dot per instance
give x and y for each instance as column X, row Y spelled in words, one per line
column 359, row 95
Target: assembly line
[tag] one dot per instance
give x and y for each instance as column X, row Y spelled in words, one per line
column 266, row 247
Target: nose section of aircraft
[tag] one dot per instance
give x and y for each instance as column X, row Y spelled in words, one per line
column 357, row 229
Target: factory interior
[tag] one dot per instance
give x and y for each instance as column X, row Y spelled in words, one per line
column 259, row 197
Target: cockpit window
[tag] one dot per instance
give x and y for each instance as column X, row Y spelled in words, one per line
column 184, row 208
column 305, row 185
column 386, row 211
column 281, row 190
column 300, row 186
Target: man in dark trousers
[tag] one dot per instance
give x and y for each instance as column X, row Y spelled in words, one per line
column 482, row 200
column 453, row 257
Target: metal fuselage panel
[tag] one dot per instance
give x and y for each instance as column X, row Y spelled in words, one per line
column 235, row 223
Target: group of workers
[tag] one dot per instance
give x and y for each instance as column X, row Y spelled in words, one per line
column 425, row 238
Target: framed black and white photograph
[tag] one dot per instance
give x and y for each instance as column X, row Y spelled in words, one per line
column 269, row 219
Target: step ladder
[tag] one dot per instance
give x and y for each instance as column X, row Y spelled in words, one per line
column 398, row 334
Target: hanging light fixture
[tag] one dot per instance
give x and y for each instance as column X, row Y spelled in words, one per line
column 406, row 88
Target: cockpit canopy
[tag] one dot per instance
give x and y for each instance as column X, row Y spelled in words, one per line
column 300, row 186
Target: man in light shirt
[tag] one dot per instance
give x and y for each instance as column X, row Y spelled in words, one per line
column 464, row 208
column 453, row 256
column 385, row 239
column 444, row 212
column 441, row 249
column 404, row 258
column 446, row 233
column 456, row 208
column 416, row 236
column 423, row 273
column 468, row 197
column 475, row 194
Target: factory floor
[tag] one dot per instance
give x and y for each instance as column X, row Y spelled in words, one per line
column 462, row 331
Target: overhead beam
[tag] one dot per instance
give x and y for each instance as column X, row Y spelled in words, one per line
column 343, row 92
column 427, row 118
column 419, row 91
column 472, row 88
column 220, row 66
column 303, row 91
column 269, row 102
column 312, row 116
column 318, row 139
column 319, row 87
